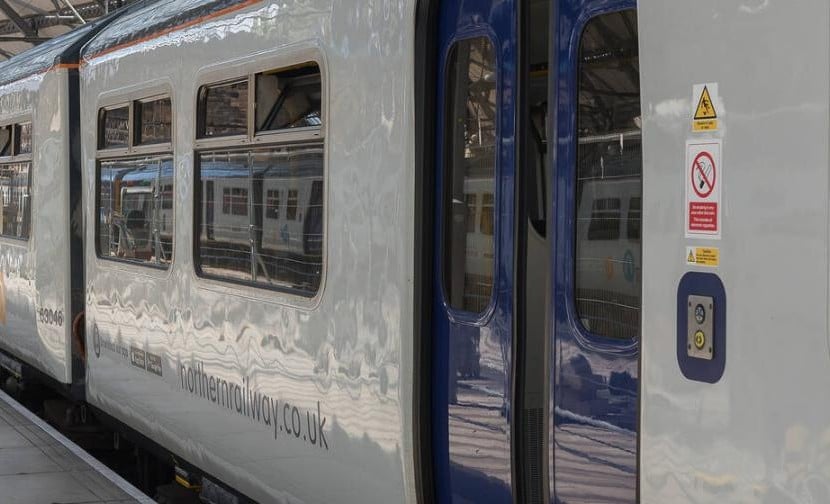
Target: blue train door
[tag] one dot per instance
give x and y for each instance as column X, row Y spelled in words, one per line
column 597, row 201
column 473, row 273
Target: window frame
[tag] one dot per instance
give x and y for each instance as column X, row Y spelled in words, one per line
column 445, row 155
column 249, row 143
column 132, row 152
column 17, row 158
column 573, row 298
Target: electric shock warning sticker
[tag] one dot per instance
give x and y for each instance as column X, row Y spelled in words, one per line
column 704, row 175
column 705, row 116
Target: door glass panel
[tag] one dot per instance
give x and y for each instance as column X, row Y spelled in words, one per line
column 470, row 139
column 609, row 178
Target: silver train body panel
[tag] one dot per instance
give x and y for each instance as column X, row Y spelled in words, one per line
column 761, row 434
column 333, row 371
column 36, row 272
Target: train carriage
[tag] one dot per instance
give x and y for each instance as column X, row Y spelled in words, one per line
column 421, row 251
column 42, row 289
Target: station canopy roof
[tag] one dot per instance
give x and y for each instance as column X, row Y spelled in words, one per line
column 28, row 23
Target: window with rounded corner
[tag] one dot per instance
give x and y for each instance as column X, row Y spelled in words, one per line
column 469, row 175
column 134, row 188
column 608, row 252
column 260, row 209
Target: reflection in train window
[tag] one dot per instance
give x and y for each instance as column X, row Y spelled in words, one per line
column 135, row 210
column 291, row 209
column 469, row 174
column 114, row 128
column 269, row 248
column 289, row 98
column 5, row 141
column 223, row 110
column 15, row 201
column 235, row 201
column 634, row 218
column 609, row 178
column 272, row 204
column 605, row 219
column 472, row 208
column 154, row 121
column 23, row 138
column 488, row 225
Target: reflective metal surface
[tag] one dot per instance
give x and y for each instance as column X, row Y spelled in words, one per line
column 36, row 316
column 761, row 434
column 285, row 398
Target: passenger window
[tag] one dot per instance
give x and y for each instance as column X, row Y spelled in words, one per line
column 155, row 121
column 114, row 128
column 609, row 177
column 15, row 181
column 252, row 238
column 469, row 175
column 5, row 141
column 23, row 138
column 288, row 98
column 135, row 189
column 224, row 110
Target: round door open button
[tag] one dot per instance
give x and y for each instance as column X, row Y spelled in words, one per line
column 700, row 314
column 700, row 340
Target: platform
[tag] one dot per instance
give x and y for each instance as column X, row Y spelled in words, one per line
column 38, row 465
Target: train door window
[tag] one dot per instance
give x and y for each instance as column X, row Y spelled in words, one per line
column 135, row 183
column 15, row 180
column 256, row 241
column 469, row 177
column 609, row 177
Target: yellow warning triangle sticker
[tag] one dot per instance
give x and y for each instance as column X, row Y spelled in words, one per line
column 705, row 107
column 691, row 258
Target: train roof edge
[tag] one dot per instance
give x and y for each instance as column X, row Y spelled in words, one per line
column 64, row 49
column 162, row 17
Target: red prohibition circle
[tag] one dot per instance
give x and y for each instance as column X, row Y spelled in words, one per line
column 708, row 181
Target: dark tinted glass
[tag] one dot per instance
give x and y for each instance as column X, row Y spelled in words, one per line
column 5, row 141
column 135, row 210
column 469, row 175
column 224, row 110
column 280, row 242
column 609, row 178
column 288, row 98
column 24, row 138
column 155, row 121
column 15, row 204
column 114, row 128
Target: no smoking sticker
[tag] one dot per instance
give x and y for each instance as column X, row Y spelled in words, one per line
column 704, row 175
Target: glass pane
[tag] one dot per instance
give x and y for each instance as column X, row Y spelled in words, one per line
column 225, row 110
column 24, row 138
column 5, row 141
column 114, row 129
column 224, row 240
column 609, row 178
column 15, row 204
column 135, row 210
column 289, row 245
column 155, row 121
column 288, row 98
column 469, row 175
